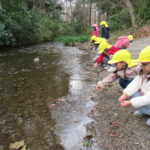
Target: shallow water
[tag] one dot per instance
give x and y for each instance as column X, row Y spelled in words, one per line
column 28, row 89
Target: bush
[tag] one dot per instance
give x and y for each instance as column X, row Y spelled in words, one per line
column 71, row 40
column 23, row 26
column 142, row 10
column 119, row 20
column 17, row 26
column 6, row 37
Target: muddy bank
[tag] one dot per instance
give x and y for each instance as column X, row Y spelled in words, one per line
column 115, row 127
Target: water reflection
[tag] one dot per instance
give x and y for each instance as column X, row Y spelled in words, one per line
column 72, row 117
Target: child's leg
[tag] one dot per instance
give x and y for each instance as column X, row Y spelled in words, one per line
column 105, row 60
column 145, row 111
column 124, row 82
column 138, row 112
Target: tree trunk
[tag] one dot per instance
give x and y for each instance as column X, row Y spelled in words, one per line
column 131, row 12
column 71, row 11
column 90, row 12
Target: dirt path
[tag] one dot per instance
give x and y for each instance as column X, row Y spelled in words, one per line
column 116, row 127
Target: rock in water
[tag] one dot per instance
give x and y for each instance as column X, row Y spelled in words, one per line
column 36, row 59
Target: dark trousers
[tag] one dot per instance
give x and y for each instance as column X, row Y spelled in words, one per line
column 124, row 82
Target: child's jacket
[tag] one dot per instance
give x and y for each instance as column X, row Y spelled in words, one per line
column 105, row 32
column 110, row 51
column 122, row 42
column 125, row 74
column 140, row 83
column 95, row 33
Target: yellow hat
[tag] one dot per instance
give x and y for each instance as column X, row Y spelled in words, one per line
column 93, row 38
column 100, row 40
column 103, row 46
column 130, row 37
column 144, row 55
column 123, row 56
column 104, row 23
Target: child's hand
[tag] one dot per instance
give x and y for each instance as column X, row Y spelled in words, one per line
column 98, row 87
column 123, row 98
column 95, row 65
column 126, row 104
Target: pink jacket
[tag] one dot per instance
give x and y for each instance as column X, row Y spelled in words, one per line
column 95, row 33
column 128, row 73
column 122, row 42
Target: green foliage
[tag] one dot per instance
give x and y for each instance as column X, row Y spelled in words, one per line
column 118, row 15
column 25, row 22
column 71, row 40
column 142, row 10
column 119, row 21
column 78, row 28
column 53, row 8
column 17, row 25
column 6, row 36
column 23, row 26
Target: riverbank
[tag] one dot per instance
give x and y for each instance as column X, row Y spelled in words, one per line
column 139, row 32
column 116, row 128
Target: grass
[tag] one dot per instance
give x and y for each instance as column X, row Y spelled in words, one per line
column 71, row 40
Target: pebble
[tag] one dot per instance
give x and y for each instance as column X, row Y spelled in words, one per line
column 36, row 59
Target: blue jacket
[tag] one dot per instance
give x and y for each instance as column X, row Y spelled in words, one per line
column 105, row 32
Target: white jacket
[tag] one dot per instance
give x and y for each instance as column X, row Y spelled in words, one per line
column 140, row 83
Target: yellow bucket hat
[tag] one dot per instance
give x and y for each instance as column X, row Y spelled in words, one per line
column 100, row 40
column 93, row 38
column 130, row 37
column 144, row 55
column 103, row 46
column 123, row 55
column 104, row 23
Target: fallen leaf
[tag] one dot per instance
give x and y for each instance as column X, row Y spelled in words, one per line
column 113, row 135
column 113, row 123
column 51, row 106
column 60, row 100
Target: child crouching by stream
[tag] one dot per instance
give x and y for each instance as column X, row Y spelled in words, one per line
column 106, row 51
column 123, row 42
column 97, row 41
column 139, row 88
column 126, row 70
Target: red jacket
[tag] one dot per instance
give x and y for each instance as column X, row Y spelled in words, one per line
column 110, row 51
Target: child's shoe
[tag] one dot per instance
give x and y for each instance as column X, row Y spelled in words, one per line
column 106, row 67
column 138, row 113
